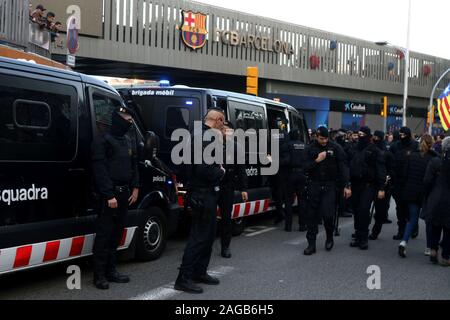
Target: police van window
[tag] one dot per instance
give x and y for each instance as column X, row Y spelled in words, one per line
column 272, row 116
column 31, row 114
column 176, row 118
column 38, row 120
column 297, row 124
column 153, row 108
column 103, row 108
column 247, row 116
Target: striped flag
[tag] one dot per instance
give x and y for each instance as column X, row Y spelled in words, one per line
column 444, row 108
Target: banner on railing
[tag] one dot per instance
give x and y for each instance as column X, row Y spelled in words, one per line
column 39, row 36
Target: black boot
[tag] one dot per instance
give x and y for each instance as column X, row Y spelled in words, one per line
column 373, row 236
column 329, row 244
column 311, row 248
column 355, row 243
column 400, row 232
column 116, row 277
column 101, row 283
column 187, row 285
column 364, row 243
column 226, row 253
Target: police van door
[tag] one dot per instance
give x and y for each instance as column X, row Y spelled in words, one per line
column 38, row 152
column 250, row 117
column 296, row 122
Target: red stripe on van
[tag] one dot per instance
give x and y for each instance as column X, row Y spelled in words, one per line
column 23, row 256
column 124, row 237
column 266, row 205
column 237, row 208
column 51, row 250
column 257, row 205
column 77, row 246
column 247, row 209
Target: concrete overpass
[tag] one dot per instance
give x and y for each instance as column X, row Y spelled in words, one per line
column 315, row 70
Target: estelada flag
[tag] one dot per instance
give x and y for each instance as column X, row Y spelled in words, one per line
column 444, row 108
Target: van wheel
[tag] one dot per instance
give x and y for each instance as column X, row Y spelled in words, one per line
column 237, row 227
column 152, row 235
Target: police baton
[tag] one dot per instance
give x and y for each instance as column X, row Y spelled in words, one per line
column 337, row 232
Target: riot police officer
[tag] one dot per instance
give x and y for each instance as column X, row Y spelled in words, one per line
column 325, row 167
column 279, row 187
column 235, row 179
column 368, row 178
column 382, row 205
column 202, row 197
column 117, row 180
column 297, row 180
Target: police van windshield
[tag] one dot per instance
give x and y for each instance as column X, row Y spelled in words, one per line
column 163, row 115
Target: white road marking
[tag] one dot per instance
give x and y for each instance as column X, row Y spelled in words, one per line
column 260, row 232
column 167, row 291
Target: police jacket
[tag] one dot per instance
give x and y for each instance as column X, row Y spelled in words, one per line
column 285, row 160
column 115, row 163
column 331, row 170
column 389, row 161
column 203, row 176
column 297, row 149
column 368, row 166
column 402, row 152
column 235, row 175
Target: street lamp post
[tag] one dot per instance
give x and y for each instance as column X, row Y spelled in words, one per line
column 406, row 53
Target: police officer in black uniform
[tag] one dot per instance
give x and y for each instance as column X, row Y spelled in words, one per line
column 202, row 197
column 325, row 168
column 344, row 205
column 235, row 179
column 402, row 150
column 297, row 180
column 368, row 178
column 382, row 205
column 117, row 180
column 280, row 187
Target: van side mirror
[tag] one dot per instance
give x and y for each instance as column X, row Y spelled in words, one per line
column 151, row 147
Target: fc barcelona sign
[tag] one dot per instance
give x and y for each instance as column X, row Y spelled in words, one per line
column 194, row 30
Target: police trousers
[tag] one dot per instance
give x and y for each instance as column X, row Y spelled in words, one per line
column 363, row 194
column 198, row 250
column 321, row 204
column 296, row 189
column 226, row 200
column 381, row 212
column 280, row 191
column 110, row 225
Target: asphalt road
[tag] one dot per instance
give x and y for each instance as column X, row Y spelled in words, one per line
column 267, row 264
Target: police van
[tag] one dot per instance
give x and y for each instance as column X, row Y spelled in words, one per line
column 165, row 109
column 48, row 204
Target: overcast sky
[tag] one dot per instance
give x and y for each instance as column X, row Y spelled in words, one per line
column 377, row 20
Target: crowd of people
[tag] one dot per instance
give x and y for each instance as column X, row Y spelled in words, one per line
column 360, row 172
column 46, row 22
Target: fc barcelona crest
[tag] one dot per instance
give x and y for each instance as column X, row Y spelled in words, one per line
column 194, row 30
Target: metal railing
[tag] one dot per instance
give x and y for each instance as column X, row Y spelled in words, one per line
column 14, row 17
